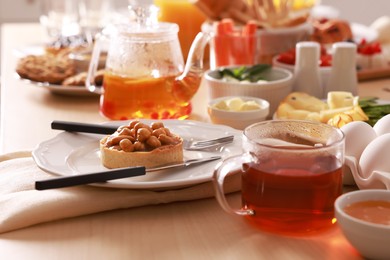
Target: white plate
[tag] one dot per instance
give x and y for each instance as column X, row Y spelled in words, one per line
column 60, row 89
column 32, row 49
column 77, row 153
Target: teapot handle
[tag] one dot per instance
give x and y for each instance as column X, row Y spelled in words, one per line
column 194, row 61
column 93, row 66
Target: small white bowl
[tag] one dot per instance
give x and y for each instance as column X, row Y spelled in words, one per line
column 370, row 239
column 277, row 87
column 238, row 119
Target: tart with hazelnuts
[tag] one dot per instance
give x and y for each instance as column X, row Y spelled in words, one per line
column 139, row 144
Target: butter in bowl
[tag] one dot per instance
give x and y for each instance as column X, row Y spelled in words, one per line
column 238, row 111
column 261, row 81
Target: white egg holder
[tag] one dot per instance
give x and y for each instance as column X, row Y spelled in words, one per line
column 367, row 152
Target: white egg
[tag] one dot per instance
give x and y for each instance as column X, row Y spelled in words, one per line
column 358, row 135
column 382, row 126
column 375, row 158
column 382, row 26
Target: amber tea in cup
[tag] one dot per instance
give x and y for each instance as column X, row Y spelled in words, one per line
column 291, row 176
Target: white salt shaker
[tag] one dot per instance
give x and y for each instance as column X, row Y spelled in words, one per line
column 343, row 75
column 306, row 71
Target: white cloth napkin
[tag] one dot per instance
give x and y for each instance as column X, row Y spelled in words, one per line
column 22, row 206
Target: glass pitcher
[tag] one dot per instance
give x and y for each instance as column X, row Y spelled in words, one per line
column 145, row 74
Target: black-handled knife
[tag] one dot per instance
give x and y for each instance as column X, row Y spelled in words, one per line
column 81, row 179
column 83, row 127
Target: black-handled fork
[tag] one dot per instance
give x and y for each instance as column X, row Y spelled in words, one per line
column 83, row 127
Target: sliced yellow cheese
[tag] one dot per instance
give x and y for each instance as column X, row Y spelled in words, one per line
column 340, row 120
column 341, row 108
column 357, row 114
column 325, row 115
column 298, row 114
column 338, row 99
column 313, row 116
column 283, row 109
column 304, row 101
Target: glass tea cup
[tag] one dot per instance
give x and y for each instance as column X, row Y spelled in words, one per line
column 232, row 45
column 60, row 18
column 94, row 15
column 291, row 176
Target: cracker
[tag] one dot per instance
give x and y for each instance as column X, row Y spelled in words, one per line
column 80, row 79
column 45, row 68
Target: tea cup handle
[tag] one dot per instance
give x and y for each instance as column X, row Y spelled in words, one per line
column 93, row 66
column 222, row 170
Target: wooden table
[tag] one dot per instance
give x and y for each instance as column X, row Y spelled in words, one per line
column 187, row 230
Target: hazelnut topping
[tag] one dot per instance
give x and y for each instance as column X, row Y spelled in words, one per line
column 137, row 136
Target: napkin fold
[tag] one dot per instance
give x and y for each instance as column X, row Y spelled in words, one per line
column 22, row 206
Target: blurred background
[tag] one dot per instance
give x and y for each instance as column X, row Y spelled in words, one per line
column 30, row 10
column 357, row 11
column 360, row 11
column 352, row 10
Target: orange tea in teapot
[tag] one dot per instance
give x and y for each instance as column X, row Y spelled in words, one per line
column 153, row 98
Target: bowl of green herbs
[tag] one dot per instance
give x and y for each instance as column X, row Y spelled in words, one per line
column 260, row 81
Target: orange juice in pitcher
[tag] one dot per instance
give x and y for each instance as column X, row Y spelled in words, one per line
column 186, row 15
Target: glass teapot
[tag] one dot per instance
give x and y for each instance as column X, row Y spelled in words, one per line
column 145, row 75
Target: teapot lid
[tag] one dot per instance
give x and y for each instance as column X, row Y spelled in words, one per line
column 157, row 31
column 143, row 24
